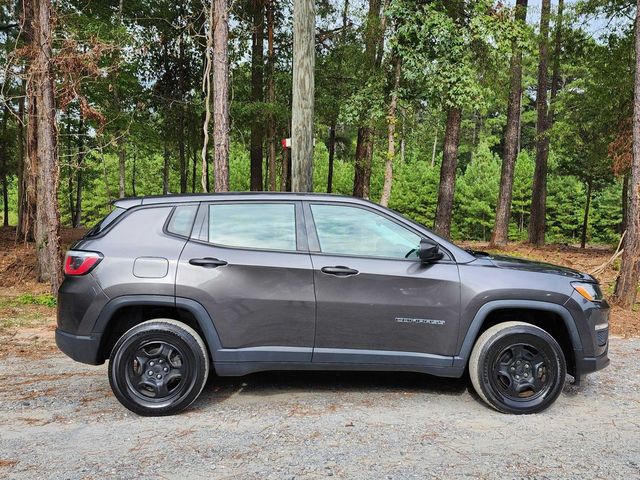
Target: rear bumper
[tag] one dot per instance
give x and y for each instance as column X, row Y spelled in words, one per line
column 81, row 348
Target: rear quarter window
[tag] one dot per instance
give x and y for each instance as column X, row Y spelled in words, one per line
column 181, row 220
column 105, row 222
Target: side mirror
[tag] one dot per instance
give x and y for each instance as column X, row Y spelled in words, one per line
column 429, row 251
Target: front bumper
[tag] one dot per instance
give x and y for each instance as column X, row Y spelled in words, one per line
column 81, row 348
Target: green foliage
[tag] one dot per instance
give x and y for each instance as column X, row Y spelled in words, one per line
column 45, row 299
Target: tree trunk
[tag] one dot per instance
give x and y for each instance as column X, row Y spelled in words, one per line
column 537, row 223
column 5, row 200
column 165, row 171
column 364, row 147
column 257, row 94
column 47, row 214
column 364, row 156
column 391, row 137
column 627, row 283
column 122, row 155
column 303, row 96
column 285, row 179
column 555, row 73
column 446, row 191
column 71, row 202
column 206, row 88
column 77, row 218
column 625, row 203
column 500, row 233
column 4, row 161
column 585, row 221
column 271, row 96
column 221, row 98
column 433, row 151
column 30, row 158
column 20, row 159
column 332, row 154
column 133, row 174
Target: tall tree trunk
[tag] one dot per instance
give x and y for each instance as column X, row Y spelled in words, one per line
column 30, row 158
column 627, row 283
column 206, row 89
column 20, row 159
column 257, row 93
column 435, row 145
column 165, row 171
column 446, row 190
column 303, row 96
column 555, row 72
column 77, row 218
column 285, row 179
column 182, row 156
column 221, row 98
column 332, row 154
column 364, row 146
column 122, row 156
column 133, row 174
column 271, row 96
column 585, row 219
column 537, row 223
column 625, row 203
column 3, row 170
column 391, row 136
column 500, row 233
column 47, row 215
column 70, row 171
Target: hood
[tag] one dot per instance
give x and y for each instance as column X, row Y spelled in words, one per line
column 534, row 266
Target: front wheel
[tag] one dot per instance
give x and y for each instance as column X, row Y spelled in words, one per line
column 517, row 368
column 158, row 367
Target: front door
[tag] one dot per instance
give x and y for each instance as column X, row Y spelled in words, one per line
column 376, row 302
column 246, row 265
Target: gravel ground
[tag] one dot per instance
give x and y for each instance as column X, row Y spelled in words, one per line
column 58, row 419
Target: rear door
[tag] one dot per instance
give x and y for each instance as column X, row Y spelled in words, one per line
column 247, row 263
column 376, row 302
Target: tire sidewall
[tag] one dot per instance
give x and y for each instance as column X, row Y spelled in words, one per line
column 151, row 331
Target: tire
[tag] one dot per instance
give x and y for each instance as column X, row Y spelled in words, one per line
column 517, row 368
column 158, row 367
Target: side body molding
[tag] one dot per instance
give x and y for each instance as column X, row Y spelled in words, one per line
column 461, row 359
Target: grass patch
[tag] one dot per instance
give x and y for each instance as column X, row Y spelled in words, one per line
column 45, row 299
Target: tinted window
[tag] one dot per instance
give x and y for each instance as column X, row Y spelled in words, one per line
column 345, row 230
column 105, row 222
column 182, row 220
column 251, row 225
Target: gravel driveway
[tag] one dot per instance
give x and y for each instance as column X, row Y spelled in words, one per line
column 58, row 419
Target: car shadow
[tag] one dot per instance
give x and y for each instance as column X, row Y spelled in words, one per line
column 278, row 382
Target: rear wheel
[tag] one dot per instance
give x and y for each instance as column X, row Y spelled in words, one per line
column 158, row 367
column 517, row 368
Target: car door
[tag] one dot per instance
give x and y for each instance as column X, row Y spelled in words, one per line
column 376, row 302
column 247, row 263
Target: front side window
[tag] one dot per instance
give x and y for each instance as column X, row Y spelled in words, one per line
column 270, row 226
column 345, row 230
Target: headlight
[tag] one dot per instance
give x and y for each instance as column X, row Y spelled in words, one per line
column 590, row 291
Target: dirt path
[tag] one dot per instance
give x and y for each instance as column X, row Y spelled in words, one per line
column 58, row 419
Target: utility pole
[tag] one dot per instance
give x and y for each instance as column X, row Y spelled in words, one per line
column 303, row 95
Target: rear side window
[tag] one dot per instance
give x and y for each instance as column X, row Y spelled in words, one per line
column 105, row 222
column 181, row 220
column 270, row 226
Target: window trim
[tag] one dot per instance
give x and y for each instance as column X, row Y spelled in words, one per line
column 314, row 240
column 202, row 235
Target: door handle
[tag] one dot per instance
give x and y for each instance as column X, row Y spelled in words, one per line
column 207, row 262
column 339, row 271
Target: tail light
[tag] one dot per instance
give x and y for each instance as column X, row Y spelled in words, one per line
column 80, row 263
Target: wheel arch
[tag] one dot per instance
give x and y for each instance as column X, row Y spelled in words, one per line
column 135, row 309
column 483, row 320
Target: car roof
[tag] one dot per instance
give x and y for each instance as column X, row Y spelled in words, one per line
column 127, row 203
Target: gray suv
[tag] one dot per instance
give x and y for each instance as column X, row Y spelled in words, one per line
column 169, row 288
